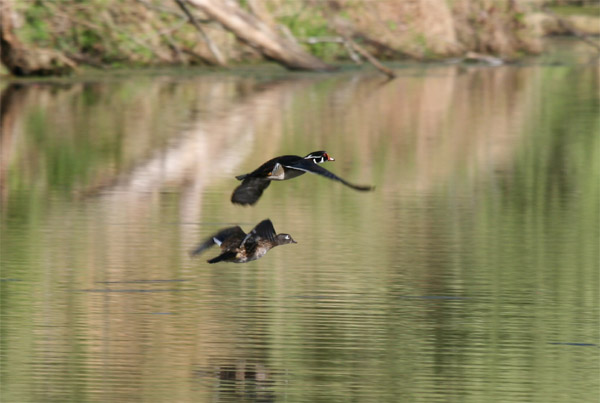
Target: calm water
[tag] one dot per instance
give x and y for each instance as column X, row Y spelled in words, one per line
column 470, row 274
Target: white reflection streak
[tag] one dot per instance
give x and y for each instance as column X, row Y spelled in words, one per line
column 214, row 148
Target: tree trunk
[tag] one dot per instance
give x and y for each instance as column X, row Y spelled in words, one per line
column 259, row 35
column 22, row 61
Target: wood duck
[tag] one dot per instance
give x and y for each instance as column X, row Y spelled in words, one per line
column 283, row 168
column 239, row 247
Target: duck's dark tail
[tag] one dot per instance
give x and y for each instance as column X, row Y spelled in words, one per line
column 202, row 247
column 222, row 257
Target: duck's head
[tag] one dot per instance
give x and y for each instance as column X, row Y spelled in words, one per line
column 319, row 157
column 283, row 239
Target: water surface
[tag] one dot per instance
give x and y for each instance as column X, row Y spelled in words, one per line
column 470, row 274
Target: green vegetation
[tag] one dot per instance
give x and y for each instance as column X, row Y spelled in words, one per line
column 107, row 32
column 590, row 10
column 36, row 29
column 152, row 32
column 311, row 24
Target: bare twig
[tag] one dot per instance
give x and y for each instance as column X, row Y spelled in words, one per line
column 214, row 49
column 353, row 55
column 364, row 53
column 354, row 49
column 169, row 10
column 321, row 39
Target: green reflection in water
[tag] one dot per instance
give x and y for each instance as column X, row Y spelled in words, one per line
column 470, row 274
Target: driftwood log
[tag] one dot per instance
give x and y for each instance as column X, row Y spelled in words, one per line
column 24, row 61
column 260, row 36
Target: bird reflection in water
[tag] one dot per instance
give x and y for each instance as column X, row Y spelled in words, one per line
column 242, row 380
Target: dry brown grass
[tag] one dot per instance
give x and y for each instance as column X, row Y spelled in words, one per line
column 432, row 28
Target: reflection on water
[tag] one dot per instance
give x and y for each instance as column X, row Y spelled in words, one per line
column 469, row 274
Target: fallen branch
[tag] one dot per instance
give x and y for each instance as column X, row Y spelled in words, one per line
column 214, row 49
column 568, row 27
column 324, row 39
column 254, row 32
column 479, row 57
column 353, row 47
column 363, row 52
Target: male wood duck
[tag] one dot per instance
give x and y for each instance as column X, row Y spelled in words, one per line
column 239, row 247
column 283, row 168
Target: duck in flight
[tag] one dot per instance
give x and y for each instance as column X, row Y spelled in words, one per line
column 239, row 247
column 283, row 168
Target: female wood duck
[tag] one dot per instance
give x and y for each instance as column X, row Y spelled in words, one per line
column 283, row 168
column 239, row 247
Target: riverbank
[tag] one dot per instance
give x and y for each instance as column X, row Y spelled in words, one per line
column 556, row 50
column 142, row 33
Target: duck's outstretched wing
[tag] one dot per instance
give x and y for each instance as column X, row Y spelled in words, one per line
column 249, row 191
column 264, row 230
column 311, row 167
column 219, row 238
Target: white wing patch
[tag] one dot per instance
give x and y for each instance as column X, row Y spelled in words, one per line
column 217, row 241
column 277, row 173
